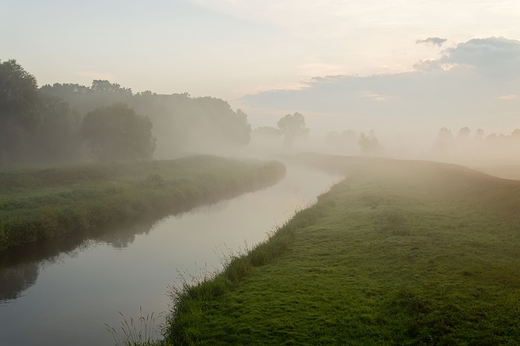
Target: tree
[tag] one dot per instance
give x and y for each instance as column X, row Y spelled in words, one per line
column 292, row 126
column 56, row 137
column 444, row 142
column 238, row 129
column 118, row 133
column 105, row 87
column 18, row 93
column 464, row 132
column 18, row 108
column 369, row 144
column 181, row 123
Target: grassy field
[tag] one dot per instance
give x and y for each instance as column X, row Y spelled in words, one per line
column 399, row 253
column 41, row 204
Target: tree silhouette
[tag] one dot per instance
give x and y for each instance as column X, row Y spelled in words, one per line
column 18, row 108
column 292, row 126
column 118, row 133
column 369, row 144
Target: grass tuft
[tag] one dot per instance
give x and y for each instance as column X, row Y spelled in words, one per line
column 140, row 332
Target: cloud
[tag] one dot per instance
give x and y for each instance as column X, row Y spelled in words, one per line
column 496, row 57
column 428, row 65
column 375, row 96
column 434, row 41
column 466, row 84
column 507, row 97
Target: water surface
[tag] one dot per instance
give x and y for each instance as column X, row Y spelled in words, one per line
column 63, row 292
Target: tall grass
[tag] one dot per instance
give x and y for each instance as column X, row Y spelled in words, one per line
column 140, row 332
column 37, row 205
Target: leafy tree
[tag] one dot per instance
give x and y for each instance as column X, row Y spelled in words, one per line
column 56, row 137
column 181, row 123
column 33, row 126
column 18, row 108
column 18, row 94
column 292, row 126
column 118, row 133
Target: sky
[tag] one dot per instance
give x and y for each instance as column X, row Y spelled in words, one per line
column 384, row 65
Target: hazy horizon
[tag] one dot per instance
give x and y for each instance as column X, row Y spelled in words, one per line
column 403, row 67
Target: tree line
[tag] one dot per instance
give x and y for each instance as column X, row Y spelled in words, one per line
column 468, row 144
column 107, row 122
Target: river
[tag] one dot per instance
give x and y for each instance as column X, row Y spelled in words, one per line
column 64, row 291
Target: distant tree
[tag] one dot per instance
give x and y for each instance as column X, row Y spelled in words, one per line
column 491, row 141
column 104, row 86
column 84, row 99
column 56, row 137
column 444, row 134
column 292, row 126
column 181, row 123
column 444, row 142
column 118, row 133
column 369, row 144
column 464, row 132
column 65, row 90
column 239, row 129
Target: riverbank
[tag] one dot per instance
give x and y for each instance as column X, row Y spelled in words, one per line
column 399, row 253
column 42, row 204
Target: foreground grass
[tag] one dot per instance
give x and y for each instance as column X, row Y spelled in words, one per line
column 399, row 253
column 41, row 204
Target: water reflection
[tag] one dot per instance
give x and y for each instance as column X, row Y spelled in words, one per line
column 17, row 279
column 19, row 267
column 64, row 291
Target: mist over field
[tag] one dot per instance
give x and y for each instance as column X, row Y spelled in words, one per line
column 64, row 124
column 401, row 73
column 71, row 123
column 371, row 150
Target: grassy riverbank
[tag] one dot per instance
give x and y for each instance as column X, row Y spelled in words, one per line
column 399, row 253
column 41, row 204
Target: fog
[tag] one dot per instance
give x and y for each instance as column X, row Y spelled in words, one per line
column 63, row 124
column 241, row 82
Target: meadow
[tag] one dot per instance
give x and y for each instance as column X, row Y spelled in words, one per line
column 398, row 253
column 45, row 203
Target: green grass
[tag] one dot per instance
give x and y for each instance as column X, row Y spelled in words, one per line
column 399, row 253
column 42, row 204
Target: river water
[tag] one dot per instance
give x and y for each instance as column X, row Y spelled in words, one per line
column 63, row 292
